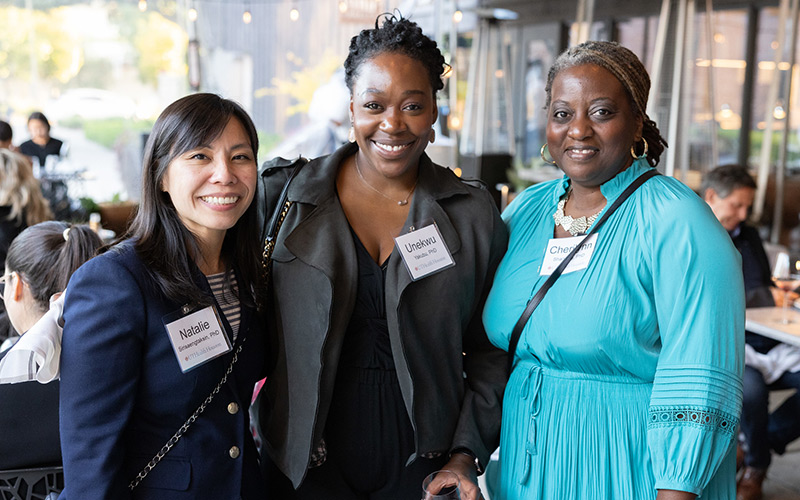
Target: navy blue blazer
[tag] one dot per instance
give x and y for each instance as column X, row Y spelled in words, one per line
column 123, row 394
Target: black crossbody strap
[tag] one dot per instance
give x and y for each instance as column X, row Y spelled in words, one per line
column 537, row 298
column 281, row 209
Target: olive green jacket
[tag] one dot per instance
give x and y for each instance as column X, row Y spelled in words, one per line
column 452, row 379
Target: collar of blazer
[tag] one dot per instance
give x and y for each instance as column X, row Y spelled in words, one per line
column 324, row 221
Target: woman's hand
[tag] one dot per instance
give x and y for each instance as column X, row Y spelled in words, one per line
column 464, row 467
column 675, row 495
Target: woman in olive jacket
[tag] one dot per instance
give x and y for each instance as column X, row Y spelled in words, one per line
column 434, row 323
column 381, row 379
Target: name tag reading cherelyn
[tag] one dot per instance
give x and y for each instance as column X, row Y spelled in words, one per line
column 197, row 337
column 559, row 248
column 424, row 252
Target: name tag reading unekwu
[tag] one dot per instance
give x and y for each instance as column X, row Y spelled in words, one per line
column 424, row 252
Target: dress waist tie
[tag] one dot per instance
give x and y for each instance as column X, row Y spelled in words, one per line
column 531, row 388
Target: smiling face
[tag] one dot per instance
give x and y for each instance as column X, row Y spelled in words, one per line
column 393, row 109
column 212, row 185
column 591, row 125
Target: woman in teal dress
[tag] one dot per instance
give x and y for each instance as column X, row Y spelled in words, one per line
column 627, row 377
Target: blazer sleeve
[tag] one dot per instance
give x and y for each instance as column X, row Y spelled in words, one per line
column 484, row 365
column 100, row 367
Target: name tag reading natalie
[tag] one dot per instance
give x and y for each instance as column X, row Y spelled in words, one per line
column 197, row 337
column 424, row 252
column 559, row 248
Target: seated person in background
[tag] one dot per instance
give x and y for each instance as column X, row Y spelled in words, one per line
column 729, row 191
column 6, row 141
column 40, row 145
column 39, row 264
column 6, row 134
column 21, row 205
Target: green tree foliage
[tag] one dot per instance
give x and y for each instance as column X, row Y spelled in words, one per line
column 303, row 82
column 39, row 32
column 158, row 41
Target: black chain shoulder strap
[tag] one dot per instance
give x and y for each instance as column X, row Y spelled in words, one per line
column 537, row 298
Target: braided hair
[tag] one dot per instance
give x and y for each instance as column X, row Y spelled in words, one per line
column 626, row 67
column 398, row 35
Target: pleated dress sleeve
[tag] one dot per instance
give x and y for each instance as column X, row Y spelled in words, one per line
column 698, row 290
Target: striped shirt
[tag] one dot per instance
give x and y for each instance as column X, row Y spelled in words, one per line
column 228, row 302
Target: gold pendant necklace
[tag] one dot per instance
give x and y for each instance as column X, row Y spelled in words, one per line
column 401, row 203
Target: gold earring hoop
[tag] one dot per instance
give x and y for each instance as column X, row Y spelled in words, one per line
column 644, row 153
column 352, row 135
column 432, row 136
column 541, row 153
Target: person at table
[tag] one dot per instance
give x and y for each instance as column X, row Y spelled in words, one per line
column 383, row 376
column 39, row 264
column 40, row 145
column 21, row 205
column 627, row 377
column 163, row 326
column 6, row 136
column 729, row 190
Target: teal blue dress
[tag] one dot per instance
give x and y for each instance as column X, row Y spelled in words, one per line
column 627, row 378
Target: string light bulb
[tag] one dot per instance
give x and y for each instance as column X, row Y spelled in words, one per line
column 294, row 14
column 142, row 5
column 458, row 15
column 247, row 17
column 343, row 6
column 192, row 14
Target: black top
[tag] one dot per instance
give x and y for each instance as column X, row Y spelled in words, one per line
column 29, row 419
column 367, row 343
column 368, row 433
column 30, row 148
column 757, row 279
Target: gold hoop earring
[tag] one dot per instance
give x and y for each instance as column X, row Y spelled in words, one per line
column 541, row 153
column 432, row 136
column 352, row 135
column 644, row 153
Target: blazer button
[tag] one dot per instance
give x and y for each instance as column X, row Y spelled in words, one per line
column 234, row 452
column 233, row 408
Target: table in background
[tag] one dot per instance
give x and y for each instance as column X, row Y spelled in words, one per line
column 766, row 321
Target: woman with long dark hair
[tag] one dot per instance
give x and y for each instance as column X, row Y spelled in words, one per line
column 161, row 348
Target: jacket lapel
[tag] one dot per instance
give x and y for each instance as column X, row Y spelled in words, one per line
column 322, row 219
column 434, row 185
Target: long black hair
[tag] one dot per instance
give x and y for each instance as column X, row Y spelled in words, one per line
column 164, row 244
column 46, row 255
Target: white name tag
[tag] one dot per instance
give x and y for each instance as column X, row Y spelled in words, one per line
column 559, row 248
column 197, row 338
column 424, row 252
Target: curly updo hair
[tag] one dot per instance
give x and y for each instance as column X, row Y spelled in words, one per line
column 395, row 35
column 629, row 70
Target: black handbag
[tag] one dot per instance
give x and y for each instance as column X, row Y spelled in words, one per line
column 537, row 298
column 273, row 225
